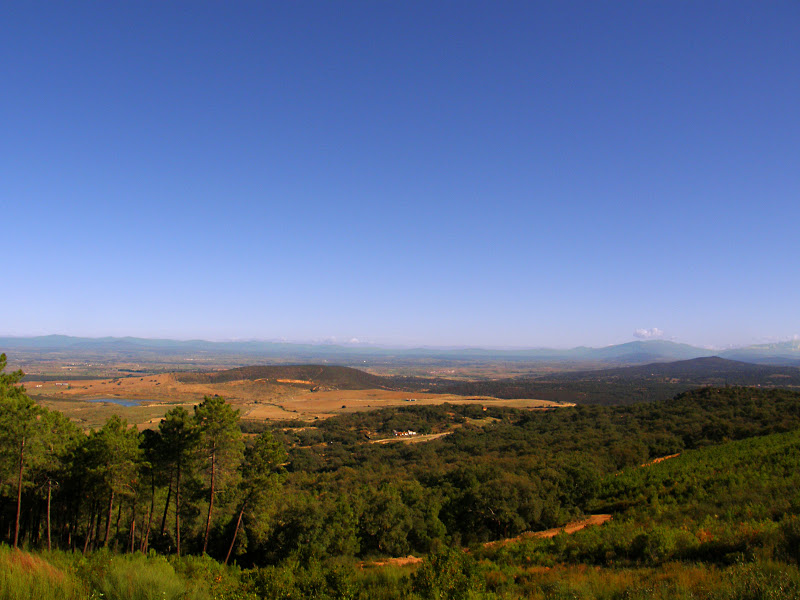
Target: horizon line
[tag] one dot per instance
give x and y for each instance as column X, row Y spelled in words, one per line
column 354, row 342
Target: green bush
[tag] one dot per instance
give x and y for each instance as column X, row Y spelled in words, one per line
column 292, row 580
column 207, row 579
column 447, row 574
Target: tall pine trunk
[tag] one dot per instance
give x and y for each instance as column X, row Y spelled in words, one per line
column 210, row 500
column 116, row 526
column 133, row 526
column 108, row 519
column 236, row 532
column 98, row 528
column 19, row 490
column 178, row 509
column 166, row 507
column 146, row 534
column 49, row 493
column 73, row 523
column 89, row 529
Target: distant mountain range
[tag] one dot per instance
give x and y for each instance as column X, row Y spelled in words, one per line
column 787, row 353
column 632, row 353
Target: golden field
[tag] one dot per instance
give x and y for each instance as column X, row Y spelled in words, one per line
column 256, row 399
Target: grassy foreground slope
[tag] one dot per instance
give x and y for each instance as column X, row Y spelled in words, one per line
column 70, row 576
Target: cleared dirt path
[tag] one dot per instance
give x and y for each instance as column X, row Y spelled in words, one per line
column 413, row 439
column 569, row 528
column 655, row 461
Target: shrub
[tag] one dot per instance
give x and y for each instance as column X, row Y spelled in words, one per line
column 447, row 574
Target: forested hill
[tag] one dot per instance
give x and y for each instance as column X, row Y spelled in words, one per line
column 626, row 385
column 344, row 378
column 710, row 370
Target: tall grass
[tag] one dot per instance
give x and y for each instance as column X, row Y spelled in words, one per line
column 384, row 583
column 672, row 581
column 107, row 576
column 131, row 577
column 24, row 576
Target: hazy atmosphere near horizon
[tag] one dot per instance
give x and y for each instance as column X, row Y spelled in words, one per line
column 439, row 173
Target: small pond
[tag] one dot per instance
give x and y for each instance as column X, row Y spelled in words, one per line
column 120, row 401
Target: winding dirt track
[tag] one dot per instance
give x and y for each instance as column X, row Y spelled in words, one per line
column 569, row 528
column 655, row 461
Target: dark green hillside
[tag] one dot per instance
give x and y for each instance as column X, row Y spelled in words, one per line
column 725, row 504
column 344, row 378
column 744, row 480
column 579, row 392
column 626, row 385
column 710, row 370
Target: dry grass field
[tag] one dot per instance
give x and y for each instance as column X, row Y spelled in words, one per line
column 256, row 399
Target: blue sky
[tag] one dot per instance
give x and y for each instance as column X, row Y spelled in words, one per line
column 470, row 173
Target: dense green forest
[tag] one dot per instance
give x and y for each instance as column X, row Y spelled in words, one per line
column 299, row 507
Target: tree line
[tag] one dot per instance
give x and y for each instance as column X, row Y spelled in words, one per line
column 191, row 485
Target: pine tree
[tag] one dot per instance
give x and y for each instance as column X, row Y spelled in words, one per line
column 260, row 477
column 220, row 444
column 178, row 441
column 21, row 429
column 21, row 437
column 114, row 458
column 60, row 438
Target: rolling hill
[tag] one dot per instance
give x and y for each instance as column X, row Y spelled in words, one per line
column 711, row 370
column 343, row 378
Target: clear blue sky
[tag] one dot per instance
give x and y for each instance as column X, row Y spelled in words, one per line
column 475, row 173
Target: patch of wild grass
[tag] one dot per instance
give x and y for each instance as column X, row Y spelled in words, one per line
column 384, row 583
column 671, row 581
column 25, row 576
column 207, row 579
column 68, row 576
column 130, row 577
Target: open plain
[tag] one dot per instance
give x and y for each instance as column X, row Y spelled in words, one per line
column 89, row 402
